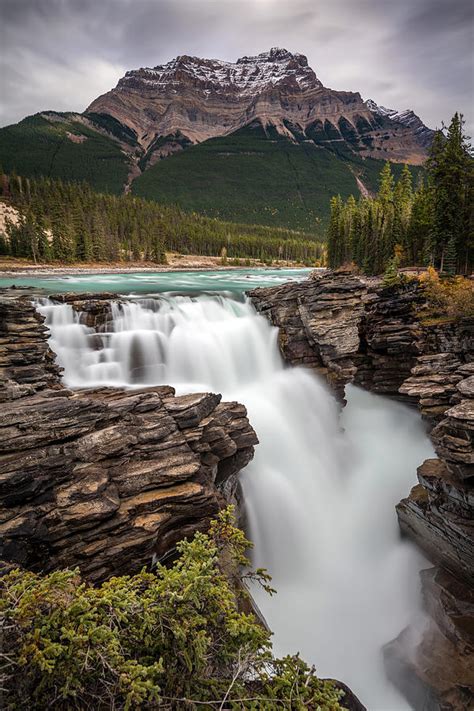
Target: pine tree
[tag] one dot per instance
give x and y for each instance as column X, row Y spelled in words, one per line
column 450, row 168
column 358, row 235
column 386, row 185
column 334, row 233
column 450, row 257
column 419, row 231
column 391, row 276
column 349, row 216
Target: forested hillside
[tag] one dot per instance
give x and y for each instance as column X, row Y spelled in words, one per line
column 62, row 146
column 257, row 175
column 70, row 222
column 431, row 223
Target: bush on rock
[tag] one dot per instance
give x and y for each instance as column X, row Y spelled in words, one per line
column 174, row 638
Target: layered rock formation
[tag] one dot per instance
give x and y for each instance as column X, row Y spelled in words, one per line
column 104, row 479
column 192, row 99
column 352, row 330
column 439, row 515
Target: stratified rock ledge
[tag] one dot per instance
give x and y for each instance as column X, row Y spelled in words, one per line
column 104, row 479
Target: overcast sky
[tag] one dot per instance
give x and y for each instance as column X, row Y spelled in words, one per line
column 61, row 54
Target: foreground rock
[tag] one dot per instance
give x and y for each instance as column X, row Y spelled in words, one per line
column 104, row 479
column 352, row 330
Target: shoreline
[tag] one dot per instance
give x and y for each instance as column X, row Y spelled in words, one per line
column 8, row 271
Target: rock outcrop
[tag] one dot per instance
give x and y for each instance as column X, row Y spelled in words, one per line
column 189, row 100
column 104, row 479
column 434, row 666
column 318, row 323
column 353, row 330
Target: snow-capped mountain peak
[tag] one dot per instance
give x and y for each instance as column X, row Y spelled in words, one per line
column 199, row 99
column 249, row 75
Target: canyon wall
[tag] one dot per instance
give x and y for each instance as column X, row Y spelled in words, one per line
column 351, row 330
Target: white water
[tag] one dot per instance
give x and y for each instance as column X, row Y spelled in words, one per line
column 320, row 499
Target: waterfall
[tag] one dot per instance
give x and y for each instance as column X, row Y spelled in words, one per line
column 321, row 490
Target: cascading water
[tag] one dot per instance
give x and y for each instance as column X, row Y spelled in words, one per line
column 320, row 497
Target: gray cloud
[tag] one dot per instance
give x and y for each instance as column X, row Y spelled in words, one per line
column 61, row 54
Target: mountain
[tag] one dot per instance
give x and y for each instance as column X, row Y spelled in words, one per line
column 408, row 118
column 258, row 140
column 205, row 98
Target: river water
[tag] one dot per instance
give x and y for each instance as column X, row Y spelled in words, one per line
column 321, row 490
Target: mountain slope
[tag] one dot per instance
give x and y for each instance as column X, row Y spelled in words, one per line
column 64, row 146
column 258, row 140
column 256, row 175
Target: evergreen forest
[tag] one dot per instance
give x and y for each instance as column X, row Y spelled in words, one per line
column 70, row 222
column 430, row 224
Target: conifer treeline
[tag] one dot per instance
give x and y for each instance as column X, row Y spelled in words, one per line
column 430, row 225
column 70, row 222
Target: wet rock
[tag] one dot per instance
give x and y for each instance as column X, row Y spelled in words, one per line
column 104, row 479
column 94, row 309
column 435, row 667
column 438, row 516
column 27, row 364
column 319, row 322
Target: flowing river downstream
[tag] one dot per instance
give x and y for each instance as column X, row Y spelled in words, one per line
column 321, row 490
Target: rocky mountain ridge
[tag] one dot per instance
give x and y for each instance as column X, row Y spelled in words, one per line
column 205, row 98
column 256, row 141
column 407, row 118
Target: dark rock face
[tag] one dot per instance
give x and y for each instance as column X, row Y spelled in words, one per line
column 438, row 513
column 351, row 330
column 319, row 323
column 26, row 361
column 438, row 516
column 104, row 479
column 391, row 340
column 434, row 667
column 355, row 331
column 94, row 309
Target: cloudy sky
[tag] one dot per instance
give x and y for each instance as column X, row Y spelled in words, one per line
column 61, row 54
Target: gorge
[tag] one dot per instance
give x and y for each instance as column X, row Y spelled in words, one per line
column 322, row 519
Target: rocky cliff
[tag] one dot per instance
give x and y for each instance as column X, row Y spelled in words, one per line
column 193, row 99
column 352, row 330
column 104, row 479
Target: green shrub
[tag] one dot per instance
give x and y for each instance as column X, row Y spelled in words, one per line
column 392, row 277
column 165, row 639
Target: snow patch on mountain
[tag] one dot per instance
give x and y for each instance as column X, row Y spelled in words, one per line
column 407, row 118
column 248, row 76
